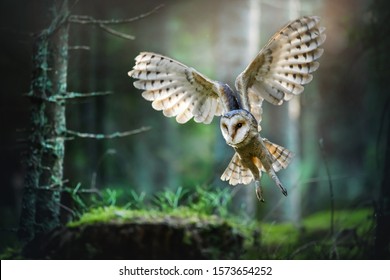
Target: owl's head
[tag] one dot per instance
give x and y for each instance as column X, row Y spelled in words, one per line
column 238, row 127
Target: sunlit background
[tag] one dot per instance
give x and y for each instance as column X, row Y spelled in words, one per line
column 337, row 122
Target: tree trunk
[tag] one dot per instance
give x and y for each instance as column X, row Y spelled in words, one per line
column 293, row 203
column 382, row 235
column 43, row 182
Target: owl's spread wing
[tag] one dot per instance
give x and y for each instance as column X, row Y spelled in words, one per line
column 176, row 89
column 283, row 66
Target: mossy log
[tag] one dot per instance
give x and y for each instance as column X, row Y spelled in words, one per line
column 167, row 238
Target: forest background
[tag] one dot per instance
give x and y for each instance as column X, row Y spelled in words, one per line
column 342, row 122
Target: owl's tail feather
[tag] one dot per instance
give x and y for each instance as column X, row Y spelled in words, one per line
column 235, row 173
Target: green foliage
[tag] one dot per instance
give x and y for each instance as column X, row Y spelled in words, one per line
column 169, row 200
column 199, row 199
column 11, row 253
column 136, row 200
column 211, row 202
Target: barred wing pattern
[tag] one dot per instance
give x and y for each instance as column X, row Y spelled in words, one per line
column 283, row 66
column 176, row 89
column 281, row 157
column 236, row 173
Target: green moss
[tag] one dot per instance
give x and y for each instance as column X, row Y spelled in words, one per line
column 282, row 233
column 342, row 218
column 120, row 215
column 360, row 220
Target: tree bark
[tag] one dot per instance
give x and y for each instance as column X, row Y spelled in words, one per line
column 43, row 182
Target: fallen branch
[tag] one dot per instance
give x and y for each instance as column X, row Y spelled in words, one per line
column 99, row 136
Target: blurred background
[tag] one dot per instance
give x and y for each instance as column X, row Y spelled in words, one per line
column 340, row 121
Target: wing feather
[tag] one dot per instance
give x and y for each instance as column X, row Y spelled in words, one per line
column 283, row 66
column 176, row 89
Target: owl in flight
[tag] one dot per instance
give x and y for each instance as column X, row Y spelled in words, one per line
column 277, row 74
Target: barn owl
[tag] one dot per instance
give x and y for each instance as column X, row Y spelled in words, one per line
column 278, row 73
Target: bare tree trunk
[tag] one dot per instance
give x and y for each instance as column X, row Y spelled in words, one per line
column 292, row 205
column 43, row 182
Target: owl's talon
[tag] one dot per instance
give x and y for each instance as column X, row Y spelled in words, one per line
column 283, row 189
column 278, row 183
column 259, row 192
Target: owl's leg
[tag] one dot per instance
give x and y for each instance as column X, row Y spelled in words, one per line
column 259, row 191
column 275, row 178
column 256, row 176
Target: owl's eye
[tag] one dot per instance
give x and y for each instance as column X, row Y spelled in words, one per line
column 239, row 125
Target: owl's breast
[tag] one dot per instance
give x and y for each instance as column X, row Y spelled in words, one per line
column 249, row 149
column 254, row 153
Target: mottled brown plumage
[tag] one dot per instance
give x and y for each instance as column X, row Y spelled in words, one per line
column 276, row 74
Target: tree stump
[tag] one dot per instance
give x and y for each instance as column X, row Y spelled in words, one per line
column 168, row 237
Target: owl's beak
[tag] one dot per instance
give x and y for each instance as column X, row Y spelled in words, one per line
column 229, row 141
